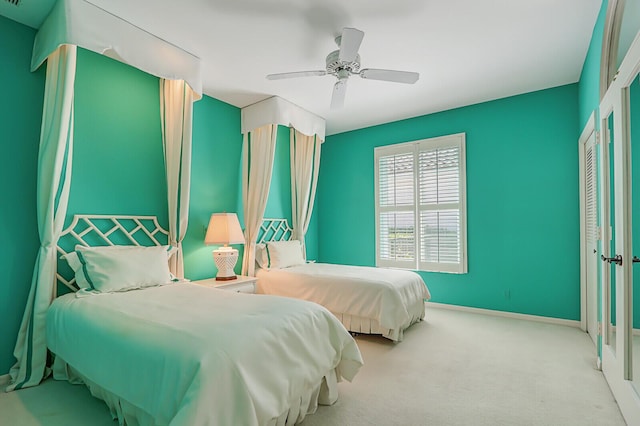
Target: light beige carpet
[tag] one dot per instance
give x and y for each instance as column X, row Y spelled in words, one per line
column 456, row 368
column 459, row 368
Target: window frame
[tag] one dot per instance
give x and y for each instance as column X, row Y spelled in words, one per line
column 414, row 147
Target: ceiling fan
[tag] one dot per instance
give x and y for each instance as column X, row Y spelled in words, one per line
column 345, row 62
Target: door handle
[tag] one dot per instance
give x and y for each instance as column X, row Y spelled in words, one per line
column 617, row 259
column 635, row 259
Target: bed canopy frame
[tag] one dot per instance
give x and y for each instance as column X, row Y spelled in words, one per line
column 259, row 126
column 74, row 23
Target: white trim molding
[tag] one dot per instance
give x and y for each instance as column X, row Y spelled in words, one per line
column 513, row 315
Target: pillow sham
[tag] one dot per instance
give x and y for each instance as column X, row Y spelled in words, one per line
column 119, row 268
column 75, row 264
column 262, row 259
column 282, row 254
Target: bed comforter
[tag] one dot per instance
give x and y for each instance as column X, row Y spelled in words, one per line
column 184, row 354
column 391, row 298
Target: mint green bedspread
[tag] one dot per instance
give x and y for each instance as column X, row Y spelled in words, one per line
column 189, row 355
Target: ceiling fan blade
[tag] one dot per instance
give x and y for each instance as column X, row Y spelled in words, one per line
column 283, row 75
column 349, row 44
column 339, row 90
column 390, row 75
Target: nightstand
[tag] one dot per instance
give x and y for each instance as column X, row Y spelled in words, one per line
column 241, row 284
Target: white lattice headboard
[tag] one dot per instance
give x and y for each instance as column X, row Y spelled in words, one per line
column 274, row 230
column 105, row 230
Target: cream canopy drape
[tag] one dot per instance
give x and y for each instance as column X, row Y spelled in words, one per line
column 259, row 148
column 305, row 164
column 176, row 111
column 54, row 182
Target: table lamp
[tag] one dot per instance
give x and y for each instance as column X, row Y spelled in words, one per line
column 224, row 228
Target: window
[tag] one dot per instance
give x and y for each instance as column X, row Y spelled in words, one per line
column 421, row 205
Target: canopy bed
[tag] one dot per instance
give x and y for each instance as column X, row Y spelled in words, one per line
column 70, row 24
column 365, row 299
column 259, row 124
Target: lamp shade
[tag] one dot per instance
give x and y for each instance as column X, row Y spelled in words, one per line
column 224, row 228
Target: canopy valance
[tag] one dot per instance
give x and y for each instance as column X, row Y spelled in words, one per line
column 79, row 23
column 275, row 110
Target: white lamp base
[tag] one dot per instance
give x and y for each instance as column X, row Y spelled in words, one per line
column 225, row 259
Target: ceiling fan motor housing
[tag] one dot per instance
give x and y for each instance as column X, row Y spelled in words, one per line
column 334, row 65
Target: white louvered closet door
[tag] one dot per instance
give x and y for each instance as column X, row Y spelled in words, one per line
column 591, row 231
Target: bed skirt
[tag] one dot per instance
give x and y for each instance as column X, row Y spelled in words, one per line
column 324, row 393
column 356, row 324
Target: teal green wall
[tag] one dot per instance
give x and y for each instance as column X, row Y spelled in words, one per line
column 522, row 200
column 118, row 166
column 20, row 118
column 215, row 177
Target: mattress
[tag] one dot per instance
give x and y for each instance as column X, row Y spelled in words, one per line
column 365, row 299
column 184, row 354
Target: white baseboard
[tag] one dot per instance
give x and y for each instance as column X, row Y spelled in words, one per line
column 4, row 381
column 549, row 320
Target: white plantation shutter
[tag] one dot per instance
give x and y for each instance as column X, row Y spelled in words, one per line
column 396, row 217
column 439, row 177
column 420, row 205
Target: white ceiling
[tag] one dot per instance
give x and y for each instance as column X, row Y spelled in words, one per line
column 466, row 51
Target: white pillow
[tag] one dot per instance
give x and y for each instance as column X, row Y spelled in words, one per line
column 262, row 259
column 282, row 254
column 118, row 268
column 76, row 265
